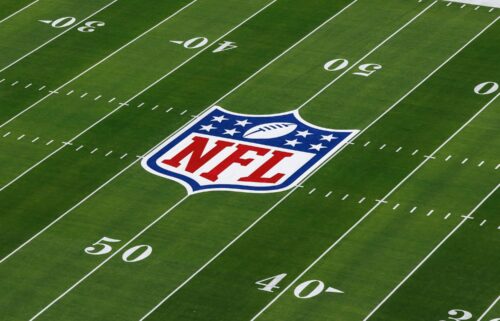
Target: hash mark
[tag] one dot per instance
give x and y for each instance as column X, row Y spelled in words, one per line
column 112, row 100
column 42, row 88
column 480, row 164
column 482, row 223
column 345, row 197
column 79, row 147
column 94, row 150
column 15, row 83
column 367, row 143
column 399, row 149
column 465, row 161
column 168, row 110
column 123, row 156
column 382, row 147
column 185, row 111
column 21, row 137
column 85, row 94
column 108, row 153
column 497, row 167
column 155, row 107
column 413, row 210
column 70, row 92
column 449, row 156
column 97, row 98
column 447, row 216
column 49, row 142
column 28, row 86
column 7, row 134
column 34, row 140
column 395, row 207
column 312, row 191
column 415, row 152
column 362, row 200
column 430, row 212
column 328, row 194
column 140, row 105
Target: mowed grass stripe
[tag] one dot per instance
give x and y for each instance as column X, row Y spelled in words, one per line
column 69, row 304
column 7, row 8
column 138, row 158
column 267, row 49
column 249, row 251
column 460, row 275
column 24, row 35
column 81, row 53
column 78, row 118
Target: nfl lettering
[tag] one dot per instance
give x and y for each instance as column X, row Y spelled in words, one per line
column 222, row 150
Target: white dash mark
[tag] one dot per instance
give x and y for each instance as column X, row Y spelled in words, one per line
column 447, row 158
column 413, row 209
column 1, row 81
column 168, row 110
column 482, row 223
column 382, row 147
column 28, row 86
column 15, row 83
column 85, row 94
column 395, row 207
column 415, row 152
column 94, row 150
column 49, row 142
column 42, row 88
column 447, row 216
column 140, row 105
column 97, row 98
column 463, row 6
column 123, row 156
column 430, row 212
column 155, row 107
column 345, row 197
column 328, row 194
column 21, row 137
column 476, row 8
column 112, row 100
column 362, row 200
column 399, row 149
column 185, row 111
column 465, row 161
column 367, row 143
column 480, row 164
column 312, row 191
column 108, row 153
column 70, row 92
column 491, row 10
column 497, row 167
column 79, row 147
column 449, row 4
column 36, row 139
column 7, row 134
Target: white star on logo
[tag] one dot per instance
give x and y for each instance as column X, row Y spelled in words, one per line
column 242, row 123
column 317, row 147
column 303, row 133
column 231, row 132
column 207, row 128
column 292, row 142
column 219, row 119
column 328, row 138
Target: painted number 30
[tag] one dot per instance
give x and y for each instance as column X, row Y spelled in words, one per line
column 64, row 22
column 134, row 254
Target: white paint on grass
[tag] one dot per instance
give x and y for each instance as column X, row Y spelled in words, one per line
column 484, row 3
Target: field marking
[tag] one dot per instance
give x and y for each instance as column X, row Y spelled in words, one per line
column 97, row 64
column 489, row 308
column 110, row 257
column 317, row 169
column 176, row 131
column 462, row 222
column 367, row 214
column 18, row 11
column 354, row 65
column 59, row 35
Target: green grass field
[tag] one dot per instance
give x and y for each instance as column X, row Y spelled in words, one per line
column 402, row 224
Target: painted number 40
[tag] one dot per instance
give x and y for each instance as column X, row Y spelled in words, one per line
column 305, row 290
column 133, row 254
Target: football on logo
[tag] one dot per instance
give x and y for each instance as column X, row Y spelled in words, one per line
column 222, row 150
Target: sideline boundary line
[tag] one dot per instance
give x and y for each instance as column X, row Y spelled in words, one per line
column 490, row 307
column 367, row 214
column 176, row 131
column 18, row 11
column 434, row 250
column 57, row 36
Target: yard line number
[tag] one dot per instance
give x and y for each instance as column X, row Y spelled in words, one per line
column 364, row 70
column 486, row 88
column 134, row 254
column 65, row 22
column 462, row 315
column 199, row 42
column 305, row 290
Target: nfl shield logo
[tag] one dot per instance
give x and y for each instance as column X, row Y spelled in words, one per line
column 222, row 150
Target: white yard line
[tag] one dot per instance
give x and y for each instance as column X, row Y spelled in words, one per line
column 434, row 250
column 18, row 11
column 489, row 308
column 97, row 64
column 365, row 56
column 76, row 25
column 109, row 258
column 175, row 132
column 171, row 208
column 367, row 214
